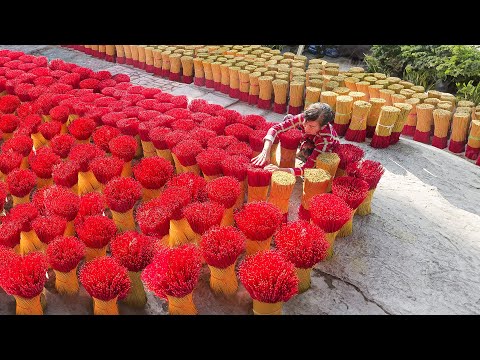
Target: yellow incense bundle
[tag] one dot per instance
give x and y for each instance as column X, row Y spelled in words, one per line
column 217, row 74
column 363, row 86
column 395, row 87
column 411, row 123
column 398, row 98
column 435, row 94
column 420, row 96
column 280, row 89
column 316, row 182
column 198, row 71
column 360, row 112
column 386, row 94
column 460, row 126
column 386, row 120
column 296, row 97
column 166, row 62
column 207, row 69
column 473, row 144
column 330, row 98
column 157, row 61
column 328, row 162
column 343, row 113
column 407, row 93
column 441, row 121
column 187, row 67
column 351, row 82
column 254, row 87
column 374, row 91
column 424, row 117
column 357, row 95
column 341, row 90
column 282, row 184
column 312, row 95
column 402, row 117
column 234, row 81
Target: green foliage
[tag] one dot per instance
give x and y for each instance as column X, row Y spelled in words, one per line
column 468, row 91
column 428, row 65
column 385, row 59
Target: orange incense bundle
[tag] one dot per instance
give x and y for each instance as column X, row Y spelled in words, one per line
column 460, row 125
column 424, row 123
column 134, row 251
column 42, row 163
column 105, row 169
column 64, row 254
column 121, row 194
column 20, row 183
column 83, row 154
column 353, row 191
column 152, row 173
column 330, row 213
column 289, row 142
column 224, row 190
column 9, row 161
column 173, row 274
column 82, row 129
column 270, row 280
column 348, row 153
column 441, row 119
column 24, row 278
column 357, row 130
column 21, row 144
column 203, row 216
column 48, row 228
column 258, row 183
column 186, row 152
column 106, row 281
column 280, row 191
column 304, row 245
column 124, row 147
column 258, row 221
column 221, row 247
column 371, row 172
column 96, row 232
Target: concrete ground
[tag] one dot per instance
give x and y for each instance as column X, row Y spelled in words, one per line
column 418, row 252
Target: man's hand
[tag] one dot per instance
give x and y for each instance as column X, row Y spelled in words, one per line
column 261, row 159
column 271, row 168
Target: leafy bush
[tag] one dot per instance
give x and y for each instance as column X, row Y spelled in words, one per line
column 468, row 92
column 428, row 65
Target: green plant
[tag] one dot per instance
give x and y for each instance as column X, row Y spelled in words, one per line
column 419, row 78
column 468, row 91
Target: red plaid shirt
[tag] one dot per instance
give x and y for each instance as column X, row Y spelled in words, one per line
column 326, row 140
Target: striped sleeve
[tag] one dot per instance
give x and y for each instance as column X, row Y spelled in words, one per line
column 326, row 141
column 289, row 122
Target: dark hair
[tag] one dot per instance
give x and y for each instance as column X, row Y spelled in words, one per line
column 320, row 112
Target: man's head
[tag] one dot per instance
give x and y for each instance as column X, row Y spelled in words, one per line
column 316, row 116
